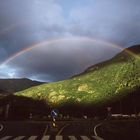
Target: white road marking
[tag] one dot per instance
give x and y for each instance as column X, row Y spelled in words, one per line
column 58, row 138
column 6, row 138
column 32, row 138
column 60, row 131
column 45, row 138
column 19, row 138
column 97, row 138
column 95, row 128
column 45, row 131
column 85, row 138
column 72, row 138
column 1, row 127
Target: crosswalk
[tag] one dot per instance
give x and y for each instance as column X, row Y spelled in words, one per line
column 48, row 137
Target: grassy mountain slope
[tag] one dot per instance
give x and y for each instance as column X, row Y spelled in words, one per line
column 99, row 84
column 15, row 85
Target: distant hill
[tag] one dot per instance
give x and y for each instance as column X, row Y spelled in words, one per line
column 4, row 92
column 15, row 85
column 100, row 84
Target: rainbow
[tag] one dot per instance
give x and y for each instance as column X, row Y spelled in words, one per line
column 58, row 40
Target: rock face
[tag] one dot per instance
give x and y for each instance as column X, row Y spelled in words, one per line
column 99, row 84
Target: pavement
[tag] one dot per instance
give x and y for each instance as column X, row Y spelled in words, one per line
column 48, row 137
column 70, row 130
column 40, row 130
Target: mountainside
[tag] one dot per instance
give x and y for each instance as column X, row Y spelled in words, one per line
column 107, row 81
column 15, row 85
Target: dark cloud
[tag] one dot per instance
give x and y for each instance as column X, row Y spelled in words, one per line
column 23, row 23
column 60, row 60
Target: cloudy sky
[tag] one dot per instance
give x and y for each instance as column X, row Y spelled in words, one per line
column 27, row 22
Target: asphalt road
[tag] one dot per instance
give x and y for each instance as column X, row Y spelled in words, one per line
column 45, row 128
column 70, row 130
column 32, row 130
column 47, row 137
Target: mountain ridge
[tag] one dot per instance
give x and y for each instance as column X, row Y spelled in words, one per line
column 17, row 84
column 101, row 83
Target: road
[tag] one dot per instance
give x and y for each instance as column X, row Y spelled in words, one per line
column 47, row 137
column 32, row 130
column 70, row 130
column 95, row 131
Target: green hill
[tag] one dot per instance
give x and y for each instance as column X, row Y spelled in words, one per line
column 15, row 85
column 104, row 82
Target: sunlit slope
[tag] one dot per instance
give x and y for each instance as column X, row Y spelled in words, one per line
column 100, row 83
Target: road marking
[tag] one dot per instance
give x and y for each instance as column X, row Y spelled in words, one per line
column 19, row 138
column 85, row 138
column 60, row 131
column 72, row 138
column 95, row 128
column 97, row 138
column 45, row 131
column 6, row 138
column 45, row 138
column 1, row 127
column 58, row 138
column 48, row 137
column 32, row 138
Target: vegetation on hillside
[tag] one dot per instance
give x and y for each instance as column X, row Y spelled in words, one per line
column 99, row 84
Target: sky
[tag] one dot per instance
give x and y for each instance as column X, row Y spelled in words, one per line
column 27, row 22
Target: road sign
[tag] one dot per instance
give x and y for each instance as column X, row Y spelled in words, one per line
column 54, row 112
